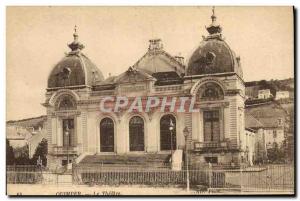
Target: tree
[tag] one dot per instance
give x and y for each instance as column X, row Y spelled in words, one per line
column 289, row 135
column 23, row 158
column 10, row 156
column 276, row 153
column 41, row 151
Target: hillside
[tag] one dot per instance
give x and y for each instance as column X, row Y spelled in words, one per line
column 253, row 87
column 34, row 122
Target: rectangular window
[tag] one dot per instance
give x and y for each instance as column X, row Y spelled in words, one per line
column 211, row 159
column 274, row 134
column 68, row 132
column 64, row 162
column 211, row 126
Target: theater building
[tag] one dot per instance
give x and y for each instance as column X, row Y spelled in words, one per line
column 77, row 129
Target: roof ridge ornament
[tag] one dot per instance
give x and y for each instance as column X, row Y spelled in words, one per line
column 214, row 29
column 75, row 46
column 155, row 44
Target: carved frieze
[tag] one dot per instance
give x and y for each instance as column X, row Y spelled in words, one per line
column 65, row 113
column 232, row 92
column 133, row 88
column 223, row 104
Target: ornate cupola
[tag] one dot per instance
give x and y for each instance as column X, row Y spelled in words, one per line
column 75, row 69
column 213, row 55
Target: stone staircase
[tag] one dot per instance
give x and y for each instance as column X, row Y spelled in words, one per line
column 132, row 161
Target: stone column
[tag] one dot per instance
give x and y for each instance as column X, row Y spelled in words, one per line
column 79, row 134
column 151, row 135
column 121, row 137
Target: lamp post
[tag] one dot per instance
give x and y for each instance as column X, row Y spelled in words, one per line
column 186, row 134
column 68, row 141
column 171, row 128
column 39, row 163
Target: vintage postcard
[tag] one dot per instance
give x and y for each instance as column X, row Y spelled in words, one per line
column 114, row 101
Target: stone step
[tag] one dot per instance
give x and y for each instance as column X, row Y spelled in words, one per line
column 137, row 159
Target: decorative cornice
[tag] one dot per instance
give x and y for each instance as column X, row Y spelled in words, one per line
column 86, row 102
column 68, row 87
column 232, row 92
column 212, row 104
column 65, row 113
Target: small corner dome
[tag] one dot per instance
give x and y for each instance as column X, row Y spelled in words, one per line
column 213, row 55
column 74, row 69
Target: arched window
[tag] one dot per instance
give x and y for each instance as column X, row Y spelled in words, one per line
column 210, row 91
column 66, row 102
column 136, row 134
column 107, row 135
column 167, row 136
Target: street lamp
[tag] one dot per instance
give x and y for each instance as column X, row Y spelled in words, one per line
column 171, row 128
column 68, row 141
column 186, row 134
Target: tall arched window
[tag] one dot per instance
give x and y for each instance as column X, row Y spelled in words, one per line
column 167, row 136
column 136, row 134
column 107, row 135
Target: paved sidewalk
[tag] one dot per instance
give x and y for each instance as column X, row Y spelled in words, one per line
column 83, row 190
column 62, row 190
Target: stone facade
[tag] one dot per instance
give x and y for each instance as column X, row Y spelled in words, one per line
column 217, row 134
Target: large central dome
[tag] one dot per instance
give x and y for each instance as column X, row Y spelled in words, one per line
column 213, row 55
column 75, row 69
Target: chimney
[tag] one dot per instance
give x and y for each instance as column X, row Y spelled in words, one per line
column 180, row 59
column 155, row 44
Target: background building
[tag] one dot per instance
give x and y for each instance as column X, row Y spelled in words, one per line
column 282, row 95
column 26, row 132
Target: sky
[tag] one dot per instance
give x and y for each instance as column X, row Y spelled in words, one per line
column 116, row 37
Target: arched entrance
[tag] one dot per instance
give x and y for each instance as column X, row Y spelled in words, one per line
column 107, row 135
column 136, row 134
column 166, row 134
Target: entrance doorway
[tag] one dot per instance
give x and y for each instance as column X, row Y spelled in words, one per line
column 166, row 134
column 107, row 135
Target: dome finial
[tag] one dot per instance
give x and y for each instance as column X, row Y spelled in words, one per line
column 213, row 17
column 75, row 34
column 214, row 28
column 75, row 45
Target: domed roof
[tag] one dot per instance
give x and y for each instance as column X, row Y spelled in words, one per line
column 74, row 69
column 213, row 54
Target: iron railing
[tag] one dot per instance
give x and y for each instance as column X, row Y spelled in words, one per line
column 258, row 179
column 211, row 144
column 64, row 150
